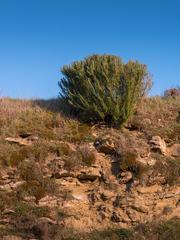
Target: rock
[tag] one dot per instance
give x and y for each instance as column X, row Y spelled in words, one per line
column 8, row 211
column 106, row 195
column 20, row 141
column 139, row 207
column 151, row 161
column 80, row 197
column 133, row 215
column 158, row 145
column 46, row 220
column 125, row 177
column 63, row 173
column 6, row 188
column 11, row 237
column 174, row 150
column 148, row 190
column 89, row 173
column 48, row 201
column 29, row 199
column 105, row 146
column 17, row 185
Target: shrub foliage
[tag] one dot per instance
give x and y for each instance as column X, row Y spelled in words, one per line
column 104, row 88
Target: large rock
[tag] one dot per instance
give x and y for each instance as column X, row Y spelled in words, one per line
column 158, row 145
column 89, row 173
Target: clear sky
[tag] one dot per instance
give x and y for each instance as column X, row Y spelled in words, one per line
column 37, row 37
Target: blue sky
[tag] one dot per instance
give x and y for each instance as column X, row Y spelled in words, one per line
column 37, row 37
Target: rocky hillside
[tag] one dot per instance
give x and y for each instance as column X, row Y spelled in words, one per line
column 63, row 179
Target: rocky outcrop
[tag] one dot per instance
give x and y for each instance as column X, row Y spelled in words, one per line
column 95, row 197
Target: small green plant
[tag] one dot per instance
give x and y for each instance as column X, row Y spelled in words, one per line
column 103, row 88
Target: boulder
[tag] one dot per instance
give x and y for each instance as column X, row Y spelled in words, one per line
column 158, row 145
column 89, row 173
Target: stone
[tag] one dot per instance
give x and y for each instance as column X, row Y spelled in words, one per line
column 158, row 145
column 62, row 174
column 6, row 188
column 106, row 195
column 139, row 207
column 46, row 220
column 151, row 189
column 29, row 199
column 133, row 215
column 151, row 162
column 20, row 141
column 80, row 197
column 11, row 237
column 89, row 173
column 17, row 185
column 125, row 177
column 8, row 211
column 49, row 201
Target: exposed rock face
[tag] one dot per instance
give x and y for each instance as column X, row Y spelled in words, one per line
column 158, row 145
column 96, row 196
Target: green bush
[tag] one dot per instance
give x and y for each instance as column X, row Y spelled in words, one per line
column 103, row 88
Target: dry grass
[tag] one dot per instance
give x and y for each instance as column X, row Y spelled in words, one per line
column 158, row 116
column 168, row 167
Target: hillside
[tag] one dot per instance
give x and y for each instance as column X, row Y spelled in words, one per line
column 64, row 179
